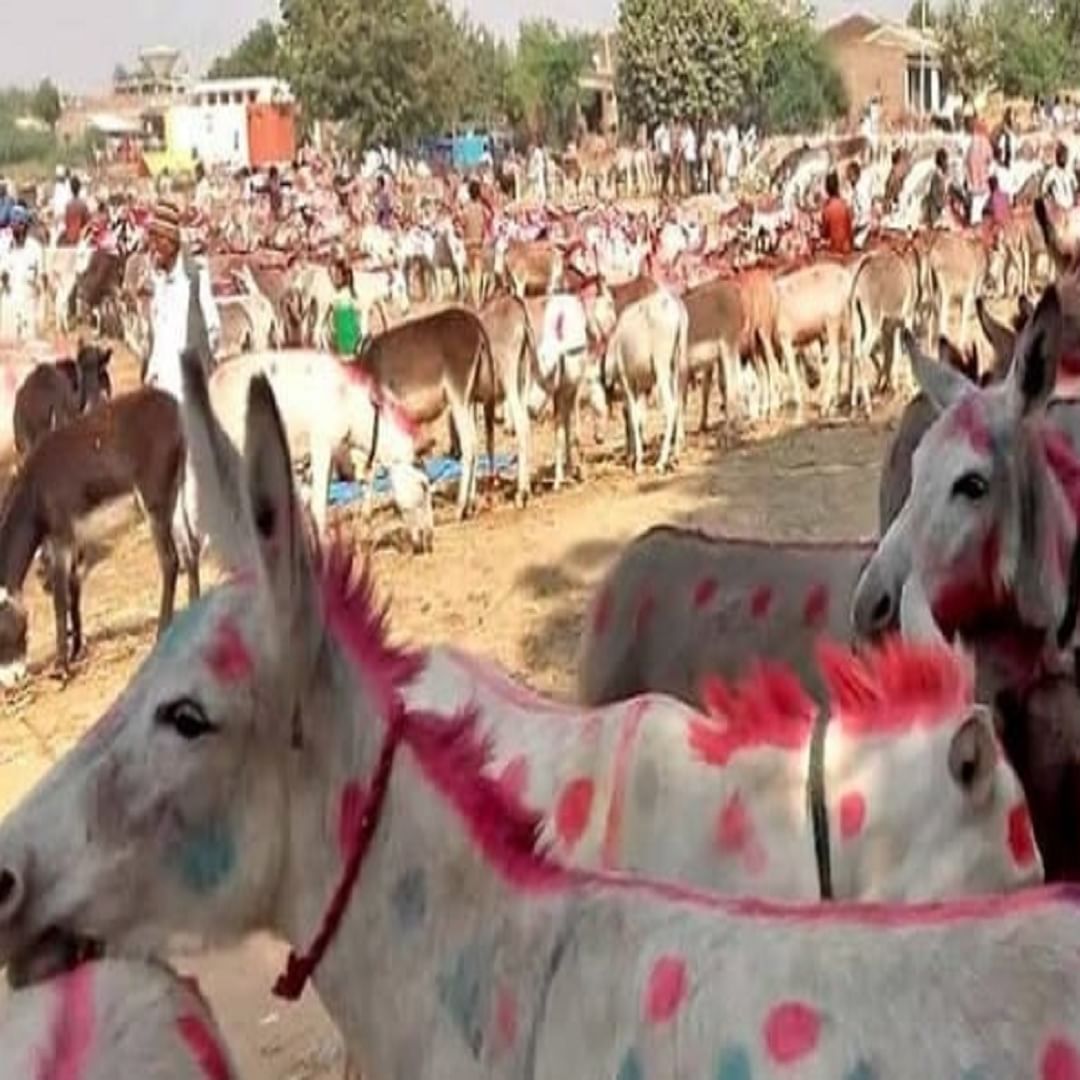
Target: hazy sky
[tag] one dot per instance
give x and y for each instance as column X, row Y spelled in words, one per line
column 78, row 43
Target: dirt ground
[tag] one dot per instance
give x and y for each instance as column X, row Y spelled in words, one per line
column 511, row 585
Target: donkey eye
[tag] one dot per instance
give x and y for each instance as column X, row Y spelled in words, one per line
column 971, row 485
column 186, row 718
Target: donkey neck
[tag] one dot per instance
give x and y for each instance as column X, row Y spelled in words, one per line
column 21, row 530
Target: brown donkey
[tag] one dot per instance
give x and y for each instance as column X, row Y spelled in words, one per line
column 132, row 445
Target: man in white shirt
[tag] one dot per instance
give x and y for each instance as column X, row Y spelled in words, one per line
column 21, row 278
column 688, row 151
column 169, row 307
column 662, row 144
column 1060, row 183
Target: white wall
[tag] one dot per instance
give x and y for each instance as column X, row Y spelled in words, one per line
column 218, row 135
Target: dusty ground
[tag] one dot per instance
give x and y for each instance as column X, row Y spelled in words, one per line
column 510, row 585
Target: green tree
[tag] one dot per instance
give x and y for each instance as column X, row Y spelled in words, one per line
column 258, row 54
column 967, row 56
column 543, row 91
column 800, row 88
column 1029, row 55
column 46, row 104
column 690, row 58
column 919, row 11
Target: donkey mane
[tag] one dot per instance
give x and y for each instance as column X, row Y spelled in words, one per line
column 453, row 755
column 895, row 686
column 890, row 688
column 359, row 624
column 769, row 707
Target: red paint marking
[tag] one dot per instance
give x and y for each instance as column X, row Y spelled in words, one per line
column 704, row 592
column 969, row 422
column 382, row 399
column 733, row 825
column 353, row 801
column 816, row 608
column 645, row 609
column 228, row 657
column 506, row 1017
column 666, row 990
column 770, row 708
column 898, row 686
column 514, row 778
column 71, row 1033
column 1021, row 837
column 573, row 809
column 760, row 601
column 204, row 1047
column 628, row 731
column 791, row 1032
column 601, row 618
column 852, row 814
column 1060, row 1061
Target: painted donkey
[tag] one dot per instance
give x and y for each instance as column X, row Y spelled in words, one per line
column 276, row 692
column 679, row 605
column 327, row 404
column 740, row 782
column 111, row 1020
column 989, row 527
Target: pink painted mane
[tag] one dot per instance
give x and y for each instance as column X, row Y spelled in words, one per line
column 896, row 686
column 1064, row 465
column 454, row 755
column 359, row 625
column 768, row 708
column 382, row 398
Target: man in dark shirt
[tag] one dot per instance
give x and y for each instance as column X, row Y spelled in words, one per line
column 937, row 195
column 76, row 216
column 836, row 225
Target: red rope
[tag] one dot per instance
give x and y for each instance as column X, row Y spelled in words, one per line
column 299, row 969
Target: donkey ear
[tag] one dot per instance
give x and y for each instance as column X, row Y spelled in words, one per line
column 1035, row 359
column 951, row 356
column 218, row 468
column 939, row 382
column 1002, row 339
column 276, row 520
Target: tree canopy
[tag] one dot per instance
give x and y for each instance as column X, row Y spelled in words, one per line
column 258, row 54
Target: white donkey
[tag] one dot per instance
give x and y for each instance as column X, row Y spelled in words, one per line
column 989, row 526
column 646, row 348
column 263, row 770
column 567, row 373
column 327, row 405
column 111, row 1020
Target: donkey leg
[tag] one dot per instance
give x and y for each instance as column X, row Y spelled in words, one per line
column 75, row 609
column 168, row 562
column 667, row 403
column 791, row 371
column 61, row 593
column 516, row 409
column 466, row 430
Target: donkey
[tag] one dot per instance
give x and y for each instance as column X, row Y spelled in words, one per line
column 737, row 777
column 431, row 880
column 328, row 405
column 648, row 347
column 112, row 1019
column 679, row 605
column 131, row 445
column 429, row 364
column 989, row 527
column 54, row 394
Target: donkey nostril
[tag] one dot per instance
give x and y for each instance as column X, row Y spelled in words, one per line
column 882, row 613
column 9, row 887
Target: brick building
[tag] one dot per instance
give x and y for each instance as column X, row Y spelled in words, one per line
column 898, row 64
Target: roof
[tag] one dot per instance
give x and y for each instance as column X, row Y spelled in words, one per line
column 858, row 27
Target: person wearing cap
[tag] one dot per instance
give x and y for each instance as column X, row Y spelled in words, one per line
column 176, row 275
column 21, row 270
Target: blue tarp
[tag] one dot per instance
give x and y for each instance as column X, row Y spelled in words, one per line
column 440, row 471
